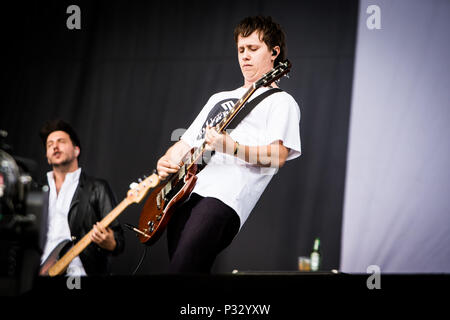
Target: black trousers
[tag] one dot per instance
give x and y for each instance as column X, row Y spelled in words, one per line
column 197, row 232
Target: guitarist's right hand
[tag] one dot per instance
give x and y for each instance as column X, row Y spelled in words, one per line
column 166, row 166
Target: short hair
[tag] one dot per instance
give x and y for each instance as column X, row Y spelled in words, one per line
column 271, row 33
column 59, row 125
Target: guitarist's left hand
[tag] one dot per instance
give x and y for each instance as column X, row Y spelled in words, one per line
column 103, row 237
column 218, row 141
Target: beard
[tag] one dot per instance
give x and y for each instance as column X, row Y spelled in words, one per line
column 65, row 162
column 62, row 164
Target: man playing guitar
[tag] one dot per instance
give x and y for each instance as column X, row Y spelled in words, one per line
column 76, row 203
column 244, row 160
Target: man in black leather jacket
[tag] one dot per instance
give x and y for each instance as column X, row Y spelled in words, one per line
column 77, row 202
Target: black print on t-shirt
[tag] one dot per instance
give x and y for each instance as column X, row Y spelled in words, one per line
column 217, row 113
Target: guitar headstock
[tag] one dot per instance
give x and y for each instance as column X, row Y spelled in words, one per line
column 139, row 190
column 273, row 75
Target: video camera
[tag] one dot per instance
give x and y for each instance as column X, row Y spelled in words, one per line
column 22, row 202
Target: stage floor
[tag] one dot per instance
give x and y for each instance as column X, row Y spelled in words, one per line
column 244, row 293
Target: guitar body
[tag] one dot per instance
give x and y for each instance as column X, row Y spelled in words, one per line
column 159, row 207
column 54, row 256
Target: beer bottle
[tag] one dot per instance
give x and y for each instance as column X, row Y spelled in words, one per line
column 315, row 256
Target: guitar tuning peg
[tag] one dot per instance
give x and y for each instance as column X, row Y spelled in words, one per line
column 139, row 180
column 144, row 177
column 133, row 185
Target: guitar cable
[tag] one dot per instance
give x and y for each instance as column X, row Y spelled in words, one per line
column 134, row 229
column 140, row 261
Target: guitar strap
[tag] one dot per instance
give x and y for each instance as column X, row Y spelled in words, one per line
column 245, row 110
column 249, row 106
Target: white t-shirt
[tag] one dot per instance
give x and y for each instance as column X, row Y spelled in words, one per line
column 58, row 224
column 237, row 183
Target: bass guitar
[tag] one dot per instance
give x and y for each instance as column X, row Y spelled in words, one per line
column 162, row 202
column 56, row 265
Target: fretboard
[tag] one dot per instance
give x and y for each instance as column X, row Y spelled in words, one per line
column 62, row 264
column 223, row 124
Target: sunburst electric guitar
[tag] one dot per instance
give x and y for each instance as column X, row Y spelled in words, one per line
column 162, row 202
column 54, row 265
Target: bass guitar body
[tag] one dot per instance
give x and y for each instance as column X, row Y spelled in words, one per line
column 163, row 201
column 54, row 256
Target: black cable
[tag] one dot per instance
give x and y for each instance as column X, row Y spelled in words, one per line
column 140, row 261
column 134, row 229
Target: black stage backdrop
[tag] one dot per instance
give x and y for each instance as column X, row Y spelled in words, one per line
column 136, row 71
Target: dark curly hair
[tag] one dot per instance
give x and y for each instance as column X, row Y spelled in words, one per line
column 269, row 31
column 59, row 125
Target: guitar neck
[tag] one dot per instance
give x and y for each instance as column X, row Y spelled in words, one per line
column 62, row 264
column 225, row 122
column 266, row 80
column 236, row 108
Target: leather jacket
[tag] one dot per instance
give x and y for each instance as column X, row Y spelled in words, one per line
column 93, row 200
